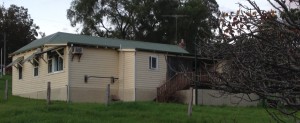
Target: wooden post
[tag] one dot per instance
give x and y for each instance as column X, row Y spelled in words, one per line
column 68, row 94
column 6, row 90
column 107, row 95
column 190, row 108
column 48, row 93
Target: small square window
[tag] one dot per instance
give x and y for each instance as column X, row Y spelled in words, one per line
column 152, row 62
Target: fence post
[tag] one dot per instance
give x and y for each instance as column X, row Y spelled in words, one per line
column 190, row 108
column 6, row 90
column 48, row 93
column 107, row 95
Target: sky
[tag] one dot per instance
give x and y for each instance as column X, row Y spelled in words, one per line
column 231, row 5
column 51, row 15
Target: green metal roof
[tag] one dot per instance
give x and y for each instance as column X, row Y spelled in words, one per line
column 67, row 38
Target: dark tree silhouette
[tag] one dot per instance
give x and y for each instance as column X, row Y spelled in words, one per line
column 257, row 51
column 18, row 26
column 145, row 20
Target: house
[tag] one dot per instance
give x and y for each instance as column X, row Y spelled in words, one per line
column 79, row 68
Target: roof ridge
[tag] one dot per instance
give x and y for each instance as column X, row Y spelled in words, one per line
column 138, row 41
column 52, row 36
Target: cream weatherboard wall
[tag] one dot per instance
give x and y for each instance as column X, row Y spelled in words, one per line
column 147, row 80
column 136, row 82
column 35, row 86
column 127, row 75
column 101, row 62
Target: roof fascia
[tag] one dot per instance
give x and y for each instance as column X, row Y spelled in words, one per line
column 55, row 44
column 136, row 49
column 132, row 50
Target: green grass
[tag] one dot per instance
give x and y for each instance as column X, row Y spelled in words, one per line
column 22, row 110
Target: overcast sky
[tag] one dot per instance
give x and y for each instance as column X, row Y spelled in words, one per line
column 231, row 5
column 51, row 15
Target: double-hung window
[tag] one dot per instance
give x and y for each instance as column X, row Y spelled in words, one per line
column 20, row 70
column 35, row 68
column 153, row 62
column 55, row 61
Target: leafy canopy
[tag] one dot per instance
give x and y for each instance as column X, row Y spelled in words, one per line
column 146, row 20
column 258, row 52
column 18, row 26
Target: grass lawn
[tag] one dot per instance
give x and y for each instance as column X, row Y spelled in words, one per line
column 21, row 110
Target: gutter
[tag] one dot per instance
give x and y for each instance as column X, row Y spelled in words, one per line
column 118, row 47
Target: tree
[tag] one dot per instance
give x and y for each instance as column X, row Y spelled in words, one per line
column 258, row 52
column 145, row 20
column 19, row 28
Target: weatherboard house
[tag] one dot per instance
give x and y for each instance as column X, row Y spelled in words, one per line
column 80, row 67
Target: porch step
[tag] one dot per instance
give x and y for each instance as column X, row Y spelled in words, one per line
column 178, row 82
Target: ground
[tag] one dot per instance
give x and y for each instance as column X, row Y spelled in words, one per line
column 22, row 110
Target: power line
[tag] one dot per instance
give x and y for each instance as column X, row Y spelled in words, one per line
column 176, row 17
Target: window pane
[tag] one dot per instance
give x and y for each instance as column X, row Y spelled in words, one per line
column 49, row 65
column 55, row 62
column 60, row 64
column 36, row 71
column 154, row 62
column 150, row 63
column 20, row 72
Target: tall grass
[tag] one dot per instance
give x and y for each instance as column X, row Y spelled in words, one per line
column 22, row 110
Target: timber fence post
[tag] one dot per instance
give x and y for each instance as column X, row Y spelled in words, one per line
column 107, row 96
column 6, row 90
column 190, row 108
column 48, row 93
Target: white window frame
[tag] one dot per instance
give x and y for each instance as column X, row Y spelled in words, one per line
column 35, row 64
column 50, row 62
column 151, row 66
column 20, row 72
column 34, row 70
column 54, row 61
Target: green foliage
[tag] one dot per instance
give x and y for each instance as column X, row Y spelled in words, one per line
column 18, row 26
column 22, row 110
column 259, row 51
column 2, row 85
column 145, row 20
column 36, row 111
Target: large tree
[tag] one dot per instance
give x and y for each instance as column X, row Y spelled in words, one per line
column 146, row 20
column 258, row 52
column 17, row 25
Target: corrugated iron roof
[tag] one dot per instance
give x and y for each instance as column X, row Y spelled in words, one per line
column 67, row 38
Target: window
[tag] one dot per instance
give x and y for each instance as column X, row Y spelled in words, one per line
column 35, row 68
column 20, row 68
column 152, row 62
column 49, row 65
column 55, row 61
